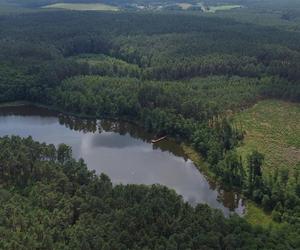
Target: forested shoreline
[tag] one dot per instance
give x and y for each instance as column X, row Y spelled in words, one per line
column 51, row 201
column 177, row 75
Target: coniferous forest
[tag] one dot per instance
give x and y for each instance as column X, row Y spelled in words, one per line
column 51, row 201
column 176, row 74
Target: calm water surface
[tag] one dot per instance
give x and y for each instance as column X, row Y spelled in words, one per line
column 122, row 151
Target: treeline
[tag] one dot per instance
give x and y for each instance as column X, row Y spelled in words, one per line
column 277, row 193
column 224, row 65
column 165, row 46
column 43, row 49
column 50, row 201
column 109, row 66
column 201, row 99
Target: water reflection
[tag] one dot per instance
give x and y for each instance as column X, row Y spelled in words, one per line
column 120, row 150
column 120, row 128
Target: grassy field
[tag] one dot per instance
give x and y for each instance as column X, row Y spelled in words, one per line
column 184, row 6
column 82, row 7
column 256, row 216
column 97, row 59
column 213, row 9
column 273, row 128
column 111, row 64
column 199, row 162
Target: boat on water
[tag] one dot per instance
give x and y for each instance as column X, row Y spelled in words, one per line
column 159, row 139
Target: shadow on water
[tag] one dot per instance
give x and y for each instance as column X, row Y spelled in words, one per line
column 121, row 150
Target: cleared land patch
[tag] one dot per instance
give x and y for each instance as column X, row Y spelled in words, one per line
column 106, row 65
column 184, row 6
column 273, row 128
column 82, row 7
column 98, row 59
column 214, row 9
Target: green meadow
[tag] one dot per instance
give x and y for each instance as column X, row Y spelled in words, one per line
column 83, row 7
column 216, row 8
column 273, row 128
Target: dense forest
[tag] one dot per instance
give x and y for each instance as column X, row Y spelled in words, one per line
column 173, row 74
column 51, row 201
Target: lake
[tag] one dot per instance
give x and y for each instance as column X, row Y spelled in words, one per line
column 122, row 151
